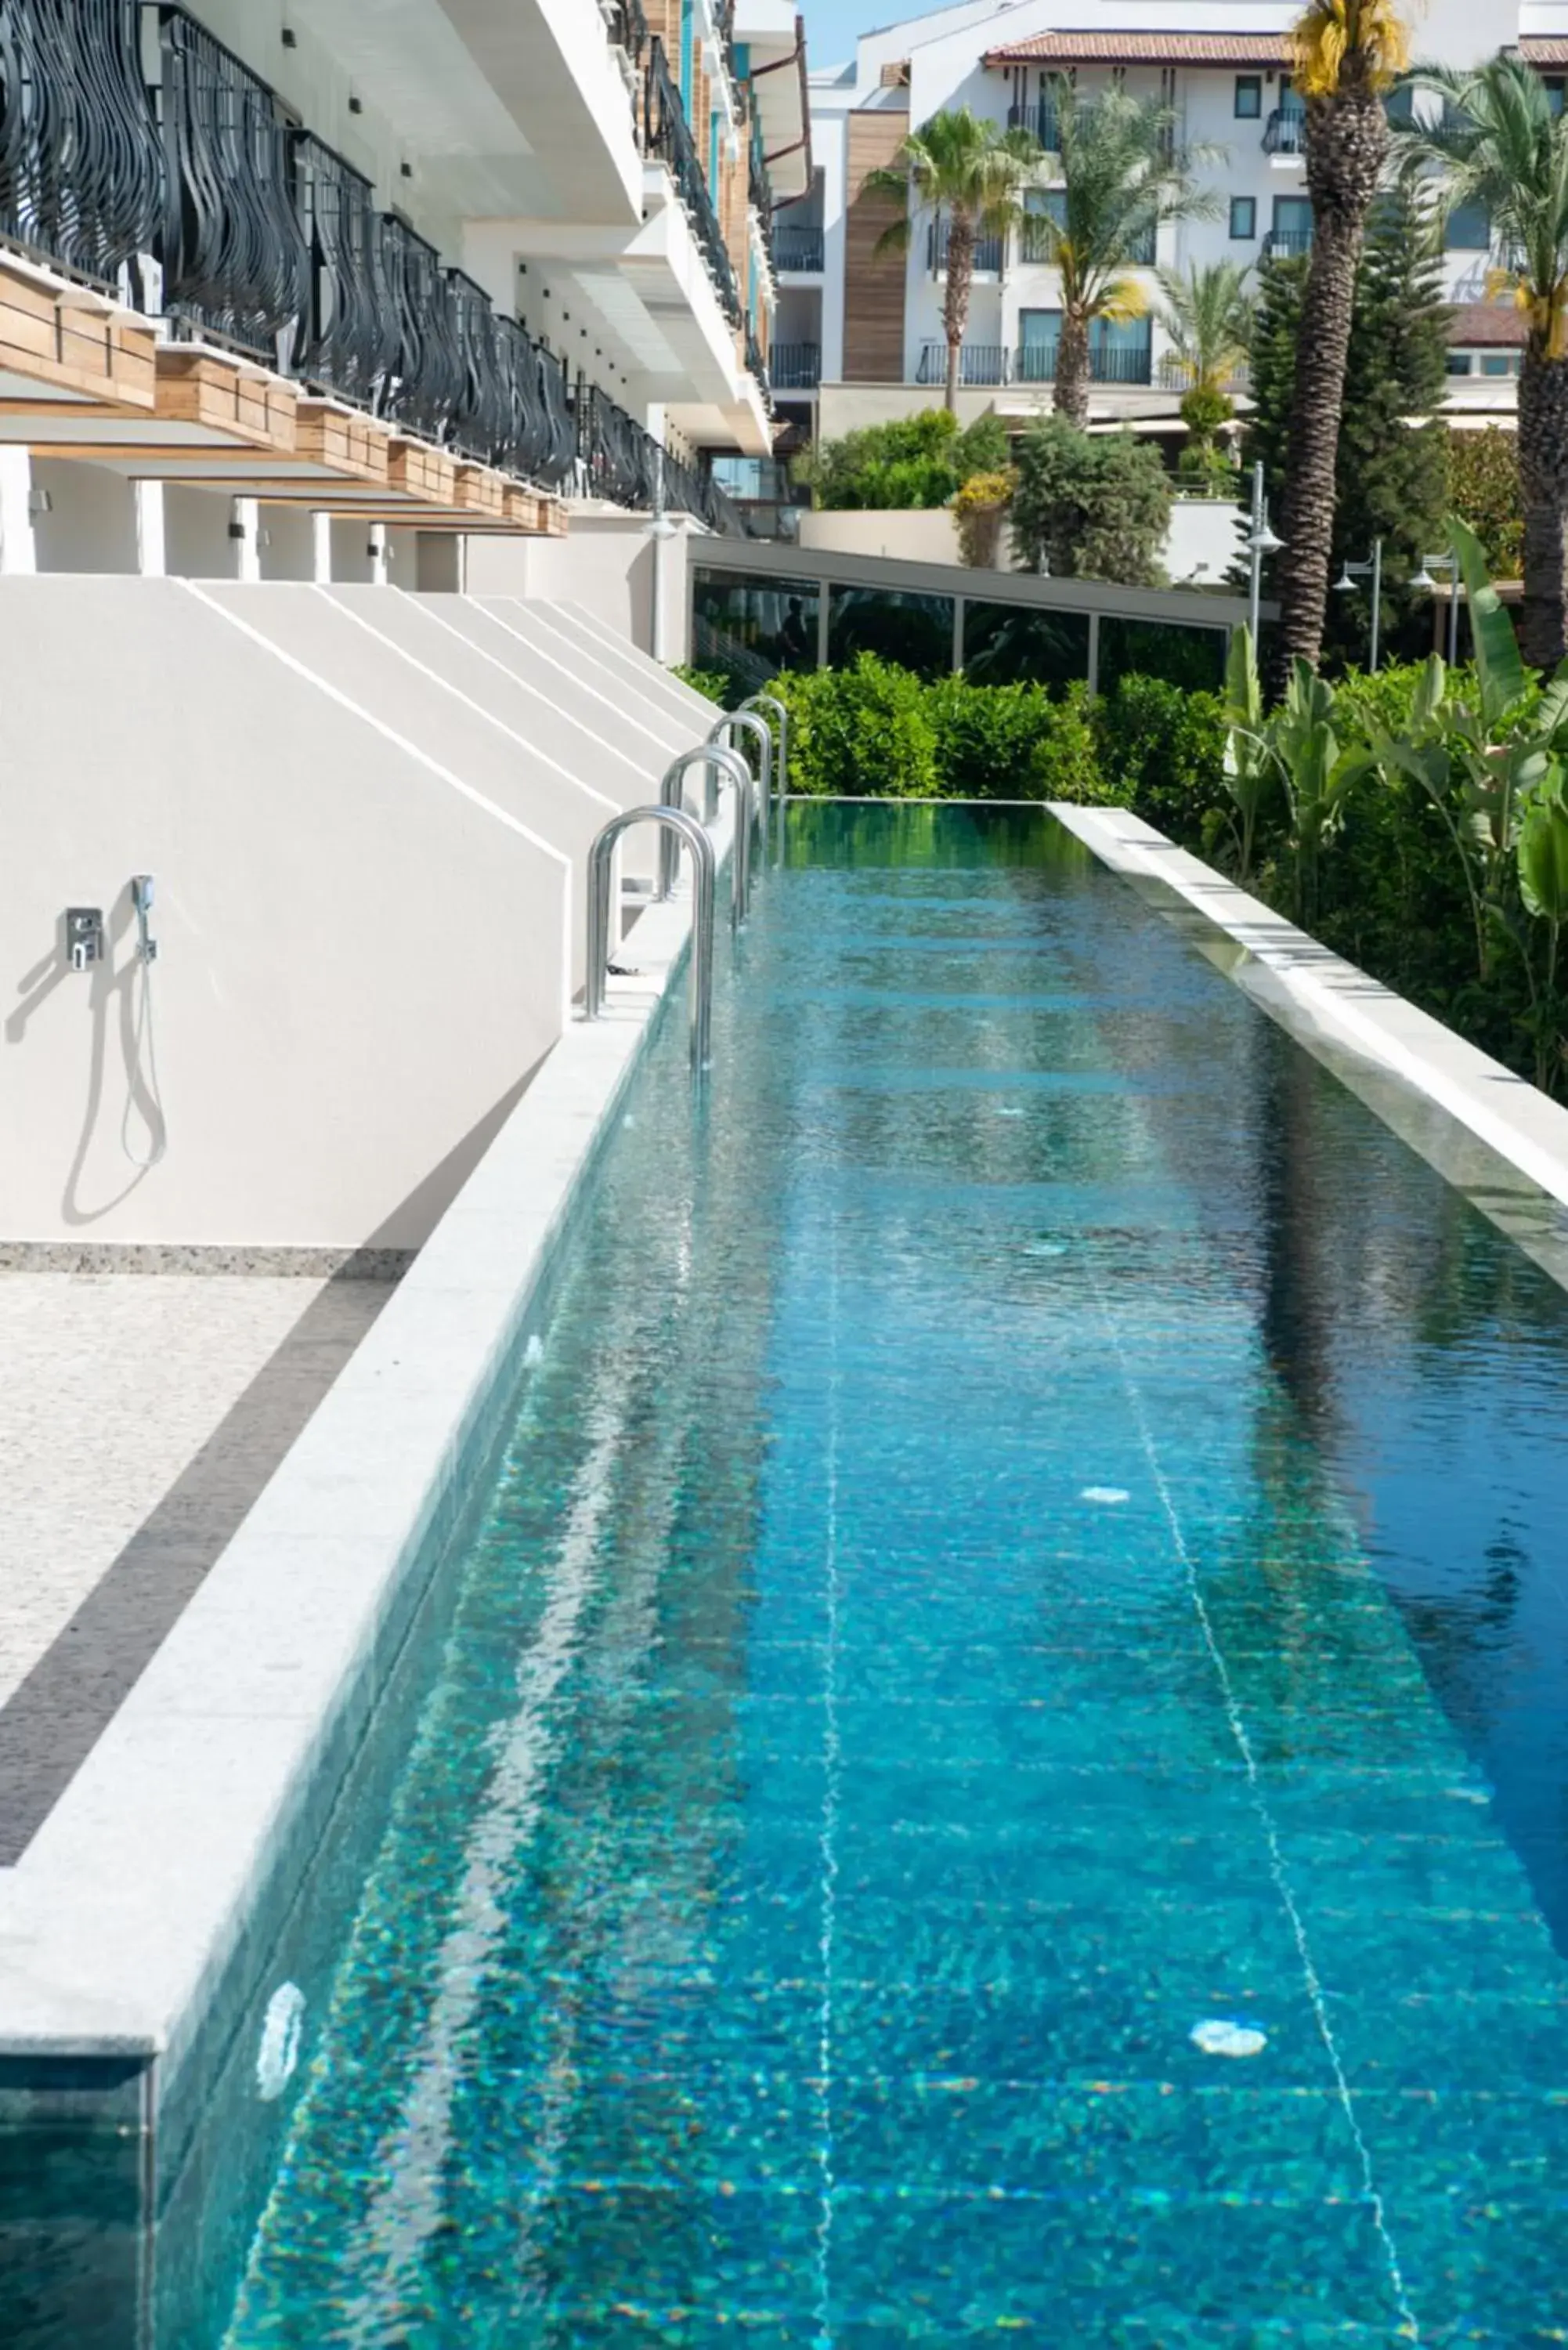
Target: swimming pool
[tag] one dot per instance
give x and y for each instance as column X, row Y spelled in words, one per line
column 998, row 1761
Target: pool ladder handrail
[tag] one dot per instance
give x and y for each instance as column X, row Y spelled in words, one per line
column 753, row 721
column 716, row 759
column 781, row 727
column 600, row 874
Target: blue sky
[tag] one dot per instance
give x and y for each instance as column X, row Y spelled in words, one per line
column 833, row 26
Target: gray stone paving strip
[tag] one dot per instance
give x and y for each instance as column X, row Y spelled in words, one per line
column 145, row 1894
column 1492, row 1135
column 59, row 1708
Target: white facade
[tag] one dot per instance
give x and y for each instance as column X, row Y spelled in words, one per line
column 1255, row 179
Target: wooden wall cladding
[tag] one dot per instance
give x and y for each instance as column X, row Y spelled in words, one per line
column 873, row 289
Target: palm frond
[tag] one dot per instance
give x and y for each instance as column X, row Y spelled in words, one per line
column 1331, row 39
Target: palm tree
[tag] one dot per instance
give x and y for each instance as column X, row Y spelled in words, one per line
column 1500, row 146
column 958, row 167
column 1124, row 175
column 1208, row 316
column 1347, row 54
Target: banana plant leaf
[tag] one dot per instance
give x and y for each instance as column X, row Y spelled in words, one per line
column 1543, row 852
column 1498, row 663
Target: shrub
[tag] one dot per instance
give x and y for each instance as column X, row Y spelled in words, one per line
column 1204, row 409
column 914, row 461
column 1093, row 508
column 1012, row 741
column 981, row 508
column 1162, row 752
column 860, row 730
column 1483, row 490
column 714, row 682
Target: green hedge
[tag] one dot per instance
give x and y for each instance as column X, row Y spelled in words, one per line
column 874, row 731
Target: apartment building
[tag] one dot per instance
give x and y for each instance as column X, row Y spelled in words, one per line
column 329, row 288
column 872, row 328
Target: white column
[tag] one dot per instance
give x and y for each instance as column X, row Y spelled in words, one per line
column 321, row 550
column 18, row 547
column 377, row 547
column 149, row 532
column 244, row 530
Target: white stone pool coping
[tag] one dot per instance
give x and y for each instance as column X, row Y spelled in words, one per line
column 120, row 1917
column 1478, row 1123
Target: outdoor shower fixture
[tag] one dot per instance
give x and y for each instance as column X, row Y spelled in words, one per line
column 141, row 902
column 84, row 936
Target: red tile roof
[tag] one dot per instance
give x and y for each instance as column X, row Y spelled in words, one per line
column 1543, row 49
column 1475, row 325
column 1146, row 49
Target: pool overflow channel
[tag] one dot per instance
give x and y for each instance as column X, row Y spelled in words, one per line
column 721, row 762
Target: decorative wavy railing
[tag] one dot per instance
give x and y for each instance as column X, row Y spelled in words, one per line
column 347, row 341
column 234, row 257
column 758, row 367
column 137, row 151
column 81, row 176
column 760, row 189
column 667, row 135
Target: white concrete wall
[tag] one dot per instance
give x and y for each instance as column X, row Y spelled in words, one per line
column 1203, row 540
column 604, row 563
column 91, row 522
column 364, row 943
column 196, row 539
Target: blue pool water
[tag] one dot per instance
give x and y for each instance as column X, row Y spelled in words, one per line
column 1000, row 1763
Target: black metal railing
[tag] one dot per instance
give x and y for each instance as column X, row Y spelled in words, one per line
column 797, row 248
column 988, row 250
column 1173, row 374
column 1284, row 133
column 984, row 365
column 758, row 367
column 82, row 172
column 165, row 169
column 626, row 27
column 667, row 135
column 1039, row 117
column 760, row 189
column 795, row 367
column 1286, row 244
column 234, row 257
column 347, row 341
column 624, row 465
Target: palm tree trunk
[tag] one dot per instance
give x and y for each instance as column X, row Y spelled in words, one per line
column 1073, row 370
column 1544, row 488
column 1347, row 139
column 955, row 300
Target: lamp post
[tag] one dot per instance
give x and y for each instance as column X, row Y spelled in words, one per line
column 1345, row 585
column 1261, row 542
column 1425, row 584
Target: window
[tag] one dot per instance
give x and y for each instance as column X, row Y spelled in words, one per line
column 1468, row 229
column 1243, row 216
column 895, row 623
column 1399, row 106
column 1041, row 204
column 1291, row 230
column 1193, row 658
column 1008, row 644
column 1039, row 332
column 1497, row 363
column 749, row 626
column 1552, row 86
column 1459, row 362
column 1249, row 96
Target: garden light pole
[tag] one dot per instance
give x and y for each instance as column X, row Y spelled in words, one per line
column 1345, row 585
column 1261, row 542
column 1427, row 583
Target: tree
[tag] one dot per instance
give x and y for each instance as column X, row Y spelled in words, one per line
column 967, row 172
column 1500, row 146
column 1092, row 506
column 1483, row 491
column 1346, row 55
column 912, row 460
column 1124, row 174
column 1389, row 469
column 1208, row 316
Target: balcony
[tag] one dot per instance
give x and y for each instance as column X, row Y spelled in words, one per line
column 991, row 365
column 798, row 250
column 1174, row 375
column 1040, row 117
column 1286, row 244
column 988, row 251
column 624, row 465
column 666, row 138
column 1285, row 132
column 760, row 194
column 795, row 367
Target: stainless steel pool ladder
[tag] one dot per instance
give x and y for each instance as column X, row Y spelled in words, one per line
column 754, row 723
column 716, row 759
column 600, row 874
column 781, row 728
